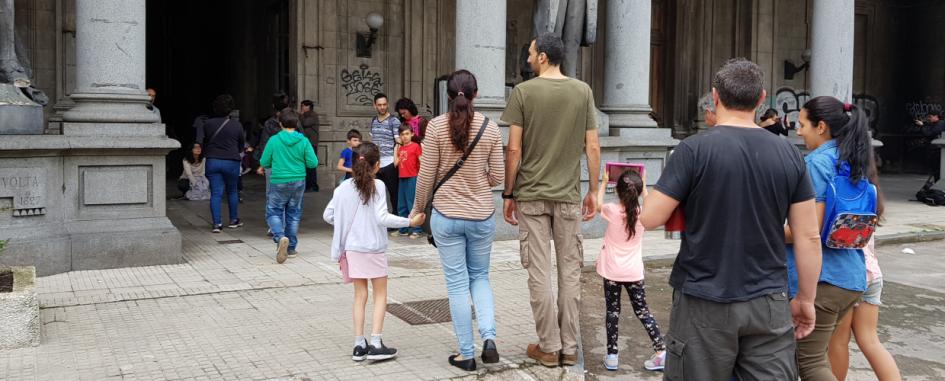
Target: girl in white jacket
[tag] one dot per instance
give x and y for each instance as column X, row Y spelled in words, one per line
column 358, row 211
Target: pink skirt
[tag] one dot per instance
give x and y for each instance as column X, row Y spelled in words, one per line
column 365, row 265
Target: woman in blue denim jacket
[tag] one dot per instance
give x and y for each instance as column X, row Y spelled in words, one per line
column 835, row 133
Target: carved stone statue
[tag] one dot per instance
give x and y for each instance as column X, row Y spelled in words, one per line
column 575, row 21
column 21, row 110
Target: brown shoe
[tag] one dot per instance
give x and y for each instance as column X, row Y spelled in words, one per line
column 568, row 360
column 549, row 359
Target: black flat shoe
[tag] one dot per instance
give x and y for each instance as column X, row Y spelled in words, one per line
column 467, row 364
column 490, row 355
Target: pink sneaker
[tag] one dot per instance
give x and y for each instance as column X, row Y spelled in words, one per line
column 656, row 362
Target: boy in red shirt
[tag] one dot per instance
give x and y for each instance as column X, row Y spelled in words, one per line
column 407, row 160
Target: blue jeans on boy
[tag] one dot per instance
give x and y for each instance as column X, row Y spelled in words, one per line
column 406, row 191
column 284, row 210
column 223, row 174
column 465, row 247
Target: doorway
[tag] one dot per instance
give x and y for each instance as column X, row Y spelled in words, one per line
column 197, row 50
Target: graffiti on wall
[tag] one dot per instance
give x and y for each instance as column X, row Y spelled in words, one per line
column 789, row 101
column 360, row 85
column 919, row 109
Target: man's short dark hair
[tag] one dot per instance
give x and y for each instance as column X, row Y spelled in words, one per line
column 353, row 133
column 379, row 96
column 223, row 104
column 279, row 101
column 288, row 118
column 552, row 46
column 309, row 104
column 739, row 84
column 934, row 113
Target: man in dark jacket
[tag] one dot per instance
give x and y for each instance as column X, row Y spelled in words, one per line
column 309, row 121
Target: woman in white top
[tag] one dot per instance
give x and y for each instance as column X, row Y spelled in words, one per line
column 193, row 182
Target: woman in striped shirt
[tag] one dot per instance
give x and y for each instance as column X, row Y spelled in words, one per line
column 463, row 221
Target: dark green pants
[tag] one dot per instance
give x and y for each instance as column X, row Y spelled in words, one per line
column 709, row 341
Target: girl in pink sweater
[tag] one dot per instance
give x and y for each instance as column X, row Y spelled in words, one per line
column 620, row 263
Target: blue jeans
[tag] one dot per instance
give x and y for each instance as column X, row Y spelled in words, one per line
column 223, row 174
column 284, row 210
column 465, row 247
column 406, row 191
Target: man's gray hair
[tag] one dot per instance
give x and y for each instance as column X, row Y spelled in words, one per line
column 706, row 103
column 739, row 84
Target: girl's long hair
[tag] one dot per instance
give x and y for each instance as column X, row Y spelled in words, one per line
column 364, row 159
column 849, row 126
column 190, row 155
column 461, row 110
column 629, row 187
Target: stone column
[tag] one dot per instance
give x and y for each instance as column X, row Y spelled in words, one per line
column 110, row 63
column 480, row 48
column 831, row 66
column 627, row 66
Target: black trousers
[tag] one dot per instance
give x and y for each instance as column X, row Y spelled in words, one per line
column 311, row 179
column 391, row 178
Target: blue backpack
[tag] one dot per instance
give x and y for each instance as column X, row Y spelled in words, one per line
column 850, row 212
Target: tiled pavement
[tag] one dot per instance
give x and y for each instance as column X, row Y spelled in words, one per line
column 231, row 312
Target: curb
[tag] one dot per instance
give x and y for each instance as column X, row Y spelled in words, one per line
column 910, row 237
column 881, row 240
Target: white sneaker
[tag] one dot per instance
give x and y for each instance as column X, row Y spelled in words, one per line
column 656, row 362
column 611, row 362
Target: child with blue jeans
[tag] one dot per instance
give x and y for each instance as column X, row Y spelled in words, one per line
column 287, row 155
column 407, row 161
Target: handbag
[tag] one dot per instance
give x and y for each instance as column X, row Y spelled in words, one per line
column 454, row 169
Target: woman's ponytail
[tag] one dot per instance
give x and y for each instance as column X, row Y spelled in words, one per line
column 461, row 88
column 849, row 126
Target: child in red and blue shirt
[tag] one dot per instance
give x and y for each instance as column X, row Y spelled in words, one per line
column 407, row 160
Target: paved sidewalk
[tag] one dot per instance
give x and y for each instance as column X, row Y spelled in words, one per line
column 231, row 312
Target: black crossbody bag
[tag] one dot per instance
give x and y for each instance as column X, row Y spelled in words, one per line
column 452, row 171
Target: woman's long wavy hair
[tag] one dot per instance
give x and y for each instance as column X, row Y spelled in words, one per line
column 629, row 187
column 461, row 112
column 364, row 160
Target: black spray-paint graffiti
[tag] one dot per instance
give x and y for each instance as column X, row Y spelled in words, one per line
column 361, row 85
column 788, row 102
column 919, row 109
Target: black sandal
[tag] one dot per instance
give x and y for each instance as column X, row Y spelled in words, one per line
column 467, row 364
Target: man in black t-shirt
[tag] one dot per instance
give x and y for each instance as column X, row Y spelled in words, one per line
column 737, row 183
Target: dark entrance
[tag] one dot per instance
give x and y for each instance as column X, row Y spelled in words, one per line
column 200, row 49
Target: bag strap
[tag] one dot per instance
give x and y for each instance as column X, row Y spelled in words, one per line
column 215, row 133
column 462, row 160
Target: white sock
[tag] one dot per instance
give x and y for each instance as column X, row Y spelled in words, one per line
column 376, row 341
column 360, row 342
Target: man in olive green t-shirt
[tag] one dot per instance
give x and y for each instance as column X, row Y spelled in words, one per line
column 553, row 121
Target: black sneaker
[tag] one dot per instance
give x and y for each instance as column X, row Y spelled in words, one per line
column 380, row 353
column 490, row 355
column 237, row 223
column 217, row 228
column 292, row 253
column 359, row 353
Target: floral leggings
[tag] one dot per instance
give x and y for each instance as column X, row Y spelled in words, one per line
column 638, row 301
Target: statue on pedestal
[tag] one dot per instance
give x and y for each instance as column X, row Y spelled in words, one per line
column 21, row 104
column 575, row 21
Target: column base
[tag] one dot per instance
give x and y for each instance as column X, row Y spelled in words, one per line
column 110, row 108
column 629, row 117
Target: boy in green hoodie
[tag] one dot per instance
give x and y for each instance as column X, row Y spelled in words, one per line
column 288, row 154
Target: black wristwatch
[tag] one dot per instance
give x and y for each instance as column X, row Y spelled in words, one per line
column 509, row 196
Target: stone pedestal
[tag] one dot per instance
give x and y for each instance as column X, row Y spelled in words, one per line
column 19, row 311
column 85, row 202
column 831, row 64
column 18, row 114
